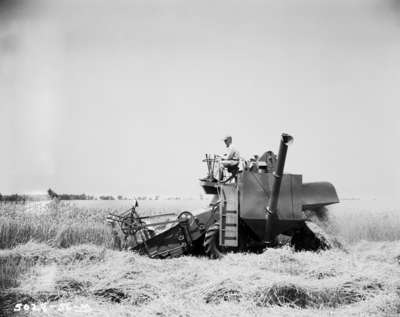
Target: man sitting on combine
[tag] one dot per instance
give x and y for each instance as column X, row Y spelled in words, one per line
column 230, row 160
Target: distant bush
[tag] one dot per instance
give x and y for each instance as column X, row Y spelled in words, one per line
column 107, row 198
column 14, row 198
column 53, row 195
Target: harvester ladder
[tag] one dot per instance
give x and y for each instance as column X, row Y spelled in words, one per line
column 229, row 216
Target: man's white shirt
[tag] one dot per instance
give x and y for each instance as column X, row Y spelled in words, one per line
column 232, row 154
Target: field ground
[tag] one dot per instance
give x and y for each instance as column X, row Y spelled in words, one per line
column 59, row 256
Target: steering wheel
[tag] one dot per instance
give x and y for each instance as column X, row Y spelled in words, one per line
column 186, row 215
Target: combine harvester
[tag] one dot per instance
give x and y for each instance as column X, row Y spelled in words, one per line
column 248, row 211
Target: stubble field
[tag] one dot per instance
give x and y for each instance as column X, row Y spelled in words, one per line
column 57, row 260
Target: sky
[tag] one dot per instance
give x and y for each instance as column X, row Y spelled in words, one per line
column 126, row 97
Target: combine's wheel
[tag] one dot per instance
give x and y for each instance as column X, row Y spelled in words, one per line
column 211, row 242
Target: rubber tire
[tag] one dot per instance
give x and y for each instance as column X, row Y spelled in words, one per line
column 211, row 242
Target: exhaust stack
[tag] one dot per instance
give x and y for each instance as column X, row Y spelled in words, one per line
column 286, row 140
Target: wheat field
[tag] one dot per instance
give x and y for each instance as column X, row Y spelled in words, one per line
column 57, row 260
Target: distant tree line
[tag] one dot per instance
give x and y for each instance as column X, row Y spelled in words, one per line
column 53, row 195
column 16, row 198
column 22, row 198
column 147, row 197
column 106, row 197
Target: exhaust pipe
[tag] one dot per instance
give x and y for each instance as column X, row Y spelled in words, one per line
column 286, row 140
column 272, row 208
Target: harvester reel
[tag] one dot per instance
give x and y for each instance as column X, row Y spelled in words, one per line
column 211, row 242
column 127, row 228
column 132, row 229
column 129, row 225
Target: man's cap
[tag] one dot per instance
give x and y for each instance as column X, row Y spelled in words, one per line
column 227, row 136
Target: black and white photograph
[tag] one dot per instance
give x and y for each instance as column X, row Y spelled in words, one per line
column 187, row 158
